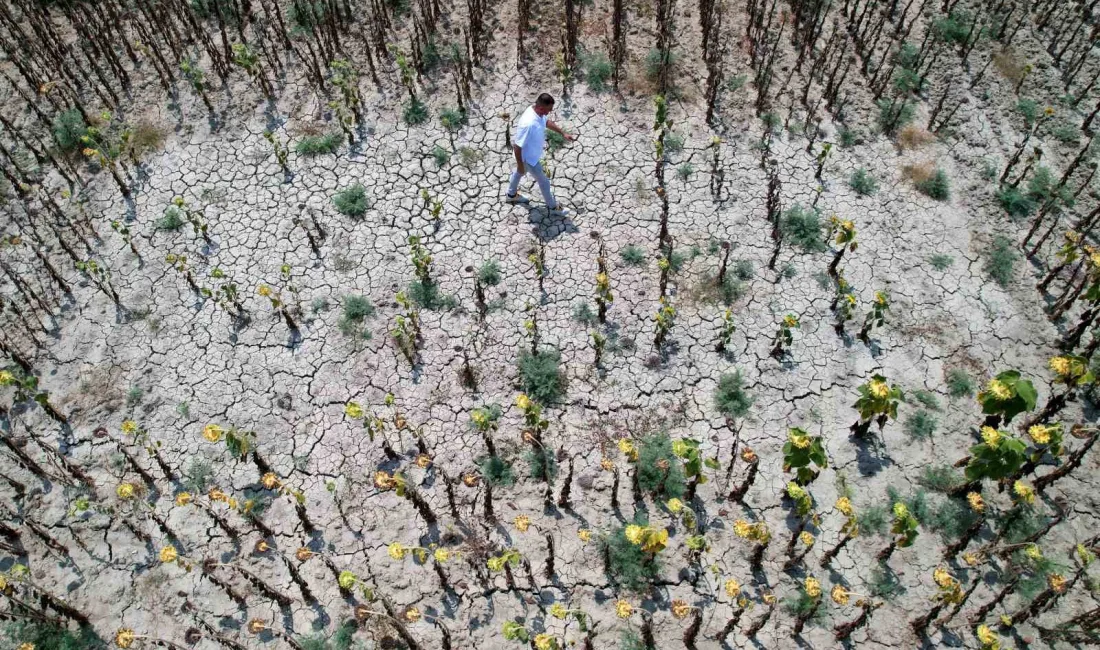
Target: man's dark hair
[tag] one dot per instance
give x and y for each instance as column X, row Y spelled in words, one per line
column 545, row 100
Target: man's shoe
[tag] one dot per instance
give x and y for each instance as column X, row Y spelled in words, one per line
column 560, row 212
column 517, row 199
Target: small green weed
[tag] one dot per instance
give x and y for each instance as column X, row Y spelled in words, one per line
column 541, row 375
column 1000, row 261
column 940, row 261
column 863, row 182
column 352, row 202
column 802, row 227
column 730, row 397
column 633, row 255
column 496, row 471
column 315, row 145
column 959, row 383
column 489, row 273
column 920, row 425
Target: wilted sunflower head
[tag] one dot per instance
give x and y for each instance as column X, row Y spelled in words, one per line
column 124, row 638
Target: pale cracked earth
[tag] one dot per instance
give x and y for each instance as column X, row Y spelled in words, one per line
column 193, row 367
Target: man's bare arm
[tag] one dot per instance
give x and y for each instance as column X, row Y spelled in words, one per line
column 519, row 159
column 554, row 127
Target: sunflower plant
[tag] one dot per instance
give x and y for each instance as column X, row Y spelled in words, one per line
column 904, row 527
column 1006, row 396
column 687, row 450
column 801, row 452
column 877, row 316
column 725, row 331
column 1046, row 438
column 845, row 240
column 784, row 336
column 239, row 443
column 998, row 456
column 664, row 319
column 508, row 557
column 878, row 402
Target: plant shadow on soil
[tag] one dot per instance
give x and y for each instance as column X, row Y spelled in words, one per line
column 545, row 223
column 871, row 454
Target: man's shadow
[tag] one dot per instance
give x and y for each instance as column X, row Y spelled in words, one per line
column 548, row 226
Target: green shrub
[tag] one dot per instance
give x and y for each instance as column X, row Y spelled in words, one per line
column 469, row 156
column 1000, row 261
column 428, row 296
column 68, row 129
column 736, row 82
column 920, row 425
column 1066, row 134
column 771, row 121
column 315, row 145
column 950, row 518
column 928, row 399
column 597, row 70
column 936, row 186
column 304, row 15
column 197, row 475
column 885, row 583
column 541, row 463
column 1029, row 110
column 656, row 61
column 677, row 261
column 489, row 273
column 959, row 384
column 908, row 56
column 863, row 182
column 554, row 140
column 341, row 639
column 633, row 255
column 802, row 227
column 989, row 169
column 894, row 115
column 541, row 376
column 352, row 201
column 582, row 313
column 674, row 143
column 51, row 636
column 356, row 310
column 630, row 640
column 940, row 261
column 730, row 397
column 661, row 483
column 496, row 471
column 171, row 220
column 872, row 520
column 431, row 57
column 628, row 565
column 415, row 112
column 743, row 270
column 1042, row 187
column 440, row 155
column 849, row 137
column 953, row 28
column 941, row 478
column 685, row 171
column 730, row 291
column 452, row 119
column 800, row 604
column 1015, row 203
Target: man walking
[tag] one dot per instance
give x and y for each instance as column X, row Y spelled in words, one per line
column 527, row 143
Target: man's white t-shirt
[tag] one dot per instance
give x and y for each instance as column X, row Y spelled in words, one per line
column 530, row 135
